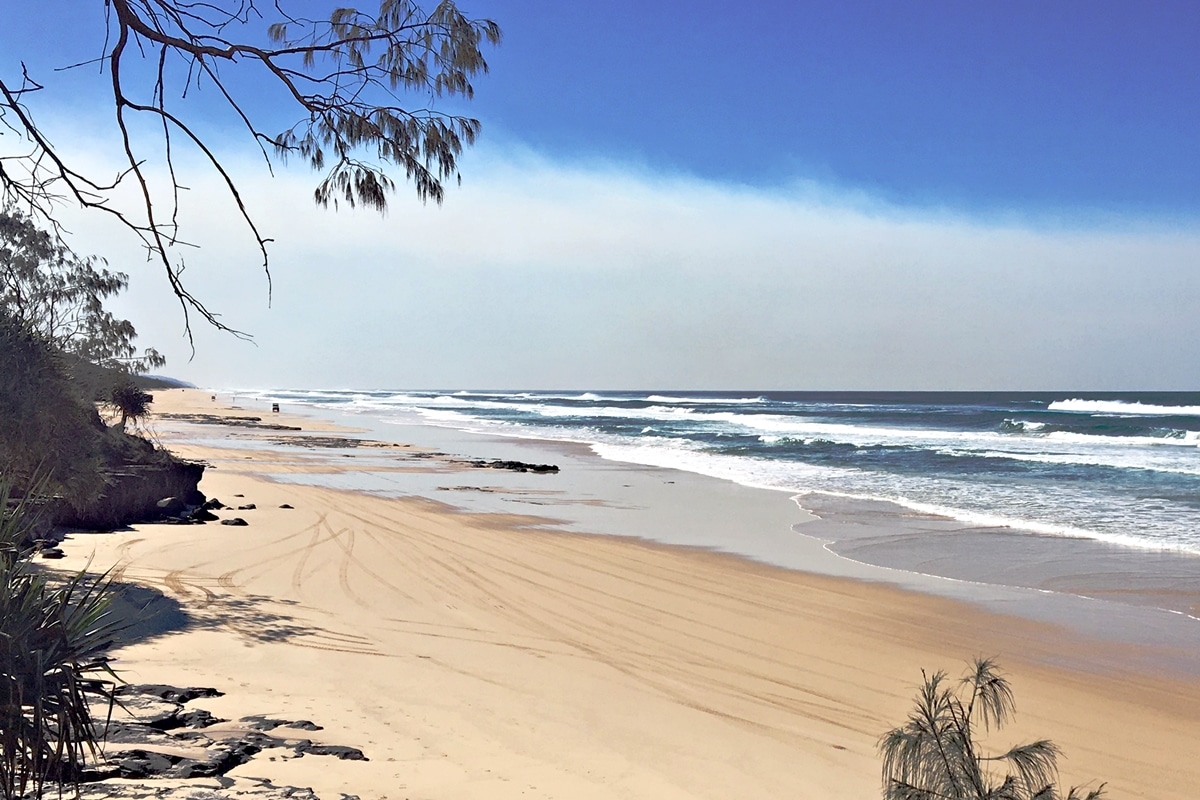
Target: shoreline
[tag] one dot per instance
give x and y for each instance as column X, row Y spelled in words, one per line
column 1098, row 589
column 498, row 653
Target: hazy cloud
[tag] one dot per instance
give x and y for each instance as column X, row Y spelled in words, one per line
column 541, row 274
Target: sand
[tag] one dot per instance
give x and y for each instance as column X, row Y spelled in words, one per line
column 486, row 655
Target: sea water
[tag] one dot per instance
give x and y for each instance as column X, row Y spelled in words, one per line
column 1122, row 468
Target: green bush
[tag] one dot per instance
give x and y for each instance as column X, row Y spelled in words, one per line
column 46, row 427
column 128, row 400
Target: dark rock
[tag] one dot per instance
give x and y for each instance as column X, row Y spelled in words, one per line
column 284, row 505
column 151, row 711
column 198, row 718
column 171, row 506
column 191, row 768
column 234, row 521
column 333, row 442
column 341, row 751
column 172, row 694
column 213, row 505
column 214, row 758
column 132, row 733
column 516, row 466
column 265, row 741
column 248, row 788
column 260, row 723
column 52, row 552
column 305, row 725
column 203, row 515
column 220, row 759
column 143, row 764
column 247, row 507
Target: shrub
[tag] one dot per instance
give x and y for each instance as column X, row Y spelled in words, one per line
column 45, row 426
column 935, row 755
column 53, row 636
column 128, row 400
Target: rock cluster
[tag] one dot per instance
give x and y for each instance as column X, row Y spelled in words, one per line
column 177, row 511
column 151, row 744
column 236, row 422
column 515, row 466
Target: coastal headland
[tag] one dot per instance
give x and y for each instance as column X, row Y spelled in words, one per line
column 473, row 653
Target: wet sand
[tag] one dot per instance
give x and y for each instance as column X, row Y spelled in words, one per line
column 889, row 535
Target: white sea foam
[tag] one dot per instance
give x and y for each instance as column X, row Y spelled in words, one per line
column 1120, row 408
column 1184, row 439
column 1044, row 528
column 1024, row 426
column 650, row 412
column 672, row 454
column 705, row 401
column 539, row 396
column 446, row 415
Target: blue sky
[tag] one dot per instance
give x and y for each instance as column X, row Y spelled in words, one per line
column 1028, row 106
column 832, row 195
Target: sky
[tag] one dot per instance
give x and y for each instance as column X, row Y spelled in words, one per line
column 713, row 195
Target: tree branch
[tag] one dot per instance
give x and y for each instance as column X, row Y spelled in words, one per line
column 353, row 126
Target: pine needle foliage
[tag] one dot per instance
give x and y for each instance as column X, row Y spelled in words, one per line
column 936, row 754
column 361, row 85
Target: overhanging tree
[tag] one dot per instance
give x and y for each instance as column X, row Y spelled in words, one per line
column 344, row 74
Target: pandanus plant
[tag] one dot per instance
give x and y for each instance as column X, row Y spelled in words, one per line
column 935, row 755
column 53, row 637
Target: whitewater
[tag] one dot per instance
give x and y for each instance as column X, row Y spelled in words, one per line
column 1122, row 468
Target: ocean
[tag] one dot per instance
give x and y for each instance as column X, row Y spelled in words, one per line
column 1120, row 468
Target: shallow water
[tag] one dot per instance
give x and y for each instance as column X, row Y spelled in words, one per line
column 1119, row 467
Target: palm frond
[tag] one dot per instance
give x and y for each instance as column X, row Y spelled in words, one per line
column 53, row 639
column 990, row 693
column 1035, row 763
column 935, row 754
column 1093, row 794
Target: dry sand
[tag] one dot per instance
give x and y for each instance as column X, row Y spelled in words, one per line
column 476, row 656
